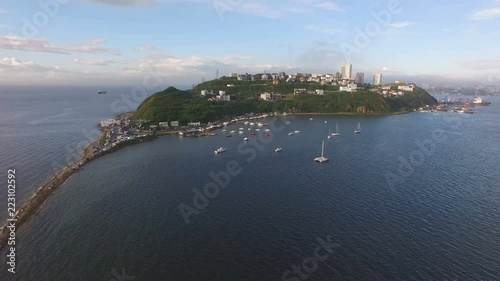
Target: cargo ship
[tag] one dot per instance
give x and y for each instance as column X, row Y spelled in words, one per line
column 479, row 101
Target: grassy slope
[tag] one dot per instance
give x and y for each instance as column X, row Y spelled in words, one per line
column 185, row 106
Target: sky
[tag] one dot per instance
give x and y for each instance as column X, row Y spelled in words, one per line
column 174, row 42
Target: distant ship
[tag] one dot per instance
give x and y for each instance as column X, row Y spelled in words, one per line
column 479, row 101
column 101, row 92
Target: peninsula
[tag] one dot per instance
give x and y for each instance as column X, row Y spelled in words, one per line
column 223, row 98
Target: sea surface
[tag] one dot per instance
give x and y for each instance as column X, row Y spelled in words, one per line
column 43, row 129
column 413, row 197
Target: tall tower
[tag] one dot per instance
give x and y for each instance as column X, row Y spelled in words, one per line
column 377, row 79
column 345, row 71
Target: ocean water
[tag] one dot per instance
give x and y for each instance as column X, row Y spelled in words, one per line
column 119, row 219
column 44, row 129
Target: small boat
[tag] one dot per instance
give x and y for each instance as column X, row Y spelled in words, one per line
column 220, row 150
column 246, row 122
column 213, row 134
column 249, row 129
column 329, row 134
column 240, row 132
column 291, row 134
column 251, row 124
column 245, row 139
column 260, row 124
column 229, row 135
column 358, row 129
column 278, row 149
column 252, row 133
column 322, row 158
column 241, row 129
column 232, row 131
column 224, row 130
column 296, row 131
column 326, row 122
column 310, row 119
column 267, row 130
column 337, row 131
column 267, row 135
column 101, row 92
column 257, row 129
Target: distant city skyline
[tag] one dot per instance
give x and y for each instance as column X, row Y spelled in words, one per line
column 173, row 42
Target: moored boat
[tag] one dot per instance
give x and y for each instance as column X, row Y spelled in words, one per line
column 322, row 158
column 220, row 150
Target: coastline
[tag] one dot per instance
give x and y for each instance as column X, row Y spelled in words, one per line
column 42, row 194
column 352, row 113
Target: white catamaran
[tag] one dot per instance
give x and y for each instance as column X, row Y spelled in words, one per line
column 322, row 158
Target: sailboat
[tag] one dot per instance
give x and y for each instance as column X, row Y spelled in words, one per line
column 337, row 131
column 329, row 133
column 358, row 129
column 321, row 159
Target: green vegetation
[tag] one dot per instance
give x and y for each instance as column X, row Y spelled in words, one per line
column 172, row 104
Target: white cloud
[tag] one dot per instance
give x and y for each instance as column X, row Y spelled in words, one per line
column 43, row 45
column 401, row 24
column 258, row 9
column 328, row 6
column 485, row 14
column 146, row 48
column 98, row 62
column 298, row 10
column 124, row 3
column 14, row 65
column 270, row 9
column 324, row 29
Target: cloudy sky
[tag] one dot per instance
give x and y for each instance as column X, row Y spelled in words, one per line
column 120, row 42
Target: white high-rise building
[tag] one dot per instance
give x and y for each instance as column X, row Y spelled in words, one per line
column 377, row 79
column 345, row 71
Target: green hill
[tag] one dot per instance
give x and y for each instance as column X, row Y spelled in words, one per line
column 172, row 104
